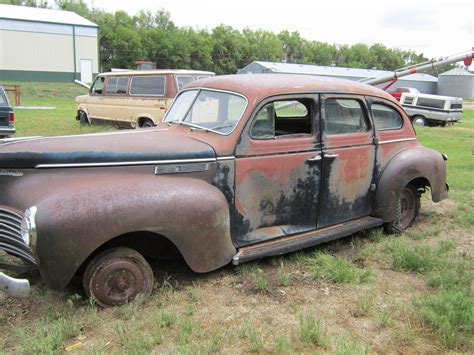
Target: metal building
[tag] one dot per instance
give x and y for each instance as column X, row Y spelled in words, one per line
column 46, row 45
column 456, row 82
column 425, row 83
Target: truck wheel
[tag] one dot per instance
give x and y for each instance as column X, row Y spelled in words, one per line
column 419, row 120
column 406, row 210
column 117, row 276
column 147, row 123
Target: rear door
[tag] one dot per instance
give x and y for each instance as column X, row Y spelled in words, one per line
column 347, row 188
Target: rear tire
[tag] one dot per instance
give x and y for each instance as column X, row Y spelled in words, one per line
column 406, row 211
column 116, row 276
column 419, row 121
column 147, row 124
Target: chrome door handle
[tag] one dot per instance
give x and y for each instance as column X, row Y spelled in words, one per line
column 314, row 159
column 331, row 156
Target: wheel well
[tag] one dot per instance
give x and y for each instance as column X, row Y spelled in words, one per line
column 421, row 184
column 142, row 120
column 149, row 244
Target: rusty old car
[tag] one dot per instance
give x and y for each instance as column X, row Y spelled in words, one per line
column 242, row 167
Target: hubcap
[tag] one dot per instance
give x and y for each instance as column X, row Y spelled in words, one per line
column 118, row 282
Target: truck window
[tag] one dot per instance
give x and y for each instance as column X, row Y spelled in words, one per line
column 98, row 86
column 148, row 86
column 386, row 117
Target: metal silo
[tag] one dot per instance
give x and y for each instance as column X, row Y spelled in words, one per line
column 456, row 82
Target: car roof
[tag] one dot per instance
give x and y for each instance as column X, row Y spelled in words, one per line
column 156, row 72
column 264, row 85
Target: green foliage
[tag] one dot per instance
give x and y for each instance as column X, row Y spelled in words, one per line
column 125, row 39
column 260, row 280
column 451, row 313
column 284, row 277
column 336, row 269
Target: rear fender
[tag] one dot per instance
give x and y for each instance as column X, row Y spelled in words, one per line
column 83, row 215
column 405, row 167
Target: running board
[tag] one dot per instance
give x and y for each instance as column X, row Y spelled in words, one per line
column 294, row 242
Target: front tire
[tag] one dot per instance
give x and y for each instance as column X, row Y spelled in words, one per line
column 419, row 121
column 83, row 119
column 147, row 124
column 117, row 276
column 406, row 211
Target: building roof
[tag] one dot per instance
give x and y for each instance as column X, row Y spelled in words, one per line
column 156, row 71
column 355, row 73
column 457, row 71
column 25, row 13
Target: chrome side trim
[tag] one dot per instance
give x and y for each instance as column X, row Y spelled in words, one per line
column 225, row 158
column 398, row 140
column 125, row 163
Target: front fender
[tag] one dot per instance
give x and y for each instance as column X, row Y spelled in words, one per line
column 83, row 215
column 406, row 166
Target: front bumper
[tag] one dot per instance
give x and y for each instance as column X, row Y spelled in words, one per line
column 14, row 287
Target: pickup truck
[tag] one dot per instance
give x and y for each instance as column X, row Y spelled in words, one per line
column 242, row 167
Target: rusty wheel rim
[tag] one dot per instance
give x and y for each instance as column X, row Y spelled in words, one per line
column 407, row 207
column 117, row 282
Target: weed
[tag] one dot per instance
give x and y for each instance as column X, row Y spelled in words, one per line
column 451, row 314
column 260, row 281
column 215, row 343
column 346, row 345
column 134, row 337
column 452, row 274
column 284, row 277
column 185, row 330
column 165, row 320
column 283, row 345
column 336, row 269
column 385, row 317
column 405, row 257
column 193, row 294
column 254, row 336
column 310, row 331
column 423, row 234
column 365, row 303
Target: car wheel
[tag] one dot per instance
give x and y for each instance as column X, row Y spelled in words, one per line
column 419, row 121
column 117, row 276
column 406, row 210
column 83, row 118
column 147, row 124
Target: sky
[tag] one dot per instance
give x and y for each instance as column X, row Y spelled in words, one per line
column 435, row 28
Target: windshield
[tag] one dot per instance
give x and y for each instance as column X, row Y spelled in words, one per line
column 210, row 110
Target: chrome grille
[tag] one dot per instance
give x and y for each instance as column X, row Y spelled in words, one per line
column 11, row 239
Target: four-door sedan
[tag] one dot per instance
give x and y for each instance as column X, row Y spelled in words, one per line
column 243, row 167
column 7, row 117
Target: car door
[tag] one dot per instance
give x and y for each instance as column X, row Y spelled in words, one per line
column 95, row 100
column 348, row 153
column 277, row 171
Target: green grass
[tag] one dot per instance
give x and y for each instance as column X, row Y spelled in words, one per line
column 311, row 331
column 336, row 269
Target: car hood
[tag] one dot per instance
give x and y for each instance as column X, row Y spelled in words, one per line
column 132, row 147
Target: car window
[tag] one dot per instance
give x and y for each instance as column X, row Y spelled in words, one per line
column 386, row 117
column 98, row 86
column 117, row 85
column 148, row 85
column 282, row 118
column 344, row 116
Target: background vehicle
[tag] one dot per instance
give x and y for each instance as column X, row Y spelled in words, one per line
column 399, row 91
column 133, row 98
column 7, row 116
column 424, row 109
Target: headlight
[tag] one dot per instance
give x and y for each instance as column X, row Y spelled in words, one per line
column 28, row 227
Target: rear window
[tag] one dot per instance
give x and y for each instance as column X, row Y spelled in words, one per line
column 148, row 86
column 183, row 80
column 385, row 117
column 344, row 116
column 117, row 85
